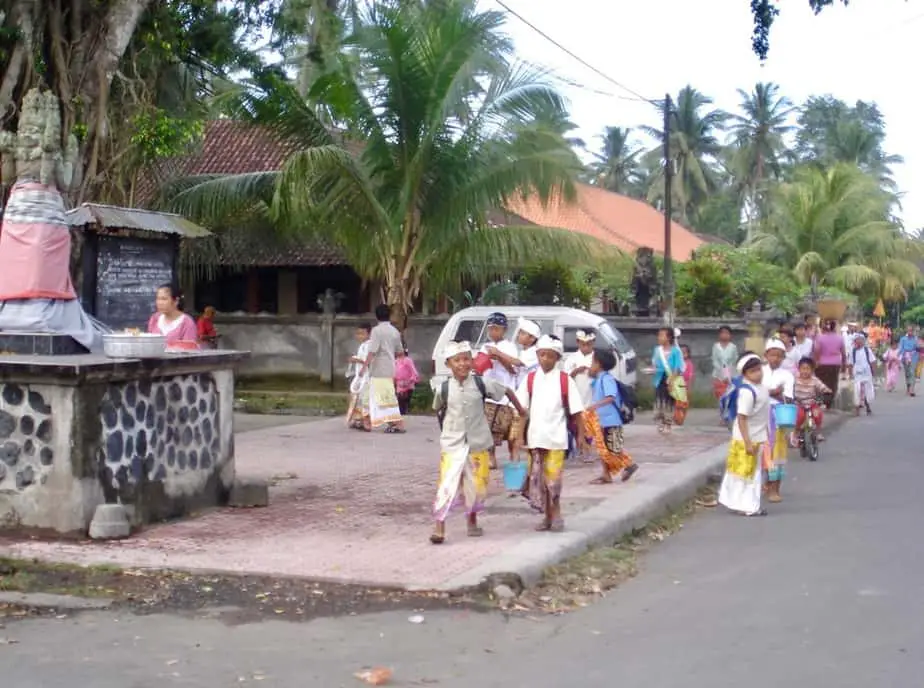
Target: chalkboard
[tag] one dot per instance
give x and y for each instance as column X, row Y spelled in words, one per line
column 128, row 273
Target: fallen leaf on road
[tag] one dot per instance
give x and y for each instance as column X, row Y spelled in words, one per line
column 374, row 677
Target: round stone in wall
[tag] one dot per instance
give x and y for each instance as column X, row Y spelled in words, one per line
column 109, row 414
column 37, row 403
column 141, row 442
column 13, row 394
column 205, row 461
column 2, row 471
column 174, row 393
column 183, row 414
column 25, row 477
column 44, row 431
column 131, row 394
column 144, row 388
column 47, row 456
column 191, row 395
column 187, row 437
column 128, row 420
column 27, row 425
column 171, row 456
column 193, row 415
column 193, row 459
column 28, row 448
column 181, row 459
column 160, row 399
column 7, row 423
column 9, row 453
column 114, row 447
column 203, row 406
column 129, row 445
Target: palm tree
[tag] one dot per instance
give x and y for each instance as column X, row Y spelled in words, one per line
column 440, row 129
column 617, row 164
column 833, row 226
column 694, row 147
column 757, row 134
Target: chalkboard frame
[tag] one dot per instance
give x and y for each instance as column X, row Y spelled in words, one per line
column 90, row 261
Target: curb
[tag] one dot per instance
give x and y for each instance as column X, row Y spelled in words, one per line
column 605, row 523
column 43, row 600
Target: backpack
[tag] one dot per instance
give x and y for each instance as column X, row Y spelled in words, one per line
column 629, row 401
column 728, row 403
column 853, row 355
column 444, row 397
column 563, row 377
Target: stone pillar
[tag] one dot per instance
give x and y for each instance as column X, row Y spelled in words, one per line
column 252, row 298
column 287, row 286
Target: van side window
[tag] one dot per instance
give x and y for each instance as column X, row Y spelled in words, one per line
column 470, row 330
column 569, row 337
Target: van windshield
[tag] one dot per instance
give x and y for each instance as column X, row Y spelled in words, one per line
column 615, row 338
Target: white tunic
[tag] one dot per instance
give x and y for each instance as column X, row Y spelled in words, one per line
column 582, row 380
column 548, row 420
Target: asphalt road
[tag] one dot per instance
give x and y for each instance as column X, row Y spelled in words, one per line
column 826, row 591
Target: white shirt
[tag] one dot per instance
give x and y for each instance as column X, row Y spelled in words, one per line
column 860, row 359
column 530, row 360
column 361, row 353
column 805, row 348
column 498, row 372
column 582, row 381
column 776, row 378
column 757, row 409
column 548, row 424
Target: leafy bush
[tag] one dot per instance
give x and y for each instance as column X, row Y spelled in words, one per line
column 553, row 283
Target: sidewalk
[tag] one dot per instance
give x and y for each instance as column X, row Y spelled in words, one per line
column 355, row 507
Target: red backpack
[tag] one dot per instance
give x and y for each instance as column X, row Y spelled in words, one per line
column 563, row 377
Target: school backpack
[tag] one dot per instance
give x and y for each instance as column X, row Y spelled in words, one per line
column 728, row 403
column 629, row 401
column 868, row 359
column 444, row 397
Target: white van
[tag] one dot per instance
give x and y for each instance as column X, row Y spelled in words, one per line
column 470, row 324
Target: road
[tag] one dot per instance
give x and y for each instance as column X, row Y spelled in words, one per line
column 828, row 590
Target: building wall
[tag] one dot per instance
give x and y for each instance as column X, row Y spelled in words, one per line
column 296, row 345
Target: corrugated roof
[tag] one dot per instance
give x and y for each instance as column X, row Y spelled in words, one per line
column 610, row 217
column 113, row 217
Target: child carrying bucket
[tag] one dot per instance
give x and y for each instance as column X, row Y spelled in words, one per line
column 781, row 384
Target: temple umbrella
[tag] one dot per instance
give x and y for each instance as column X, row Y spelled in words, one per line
column 879, row 311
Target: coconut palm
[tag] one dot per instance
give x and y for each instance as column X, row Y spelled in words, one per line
column 616, row 167
column 833, row 226
column 694, row 146
column 759, row 149
column 440, row 129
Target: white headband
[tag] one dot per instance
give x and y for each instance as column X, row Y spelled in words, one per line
column 583, row 336
column 745, row 360
column 774, row 344
column 453, row 349
column 546, row 343
column 529, row 327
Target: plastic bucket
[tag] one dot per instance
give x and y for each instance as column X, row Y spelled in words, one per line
column 514, row 475
column 785, row 415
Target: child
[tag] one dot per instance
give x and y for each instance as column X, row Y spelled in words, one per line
column 552, row 399
column 724, row 357
column 861, row 368
column 504, row 364
column 741, row 486
column 780, row 383
column 577, row 365
column 406, row 379
column 465, row 439
column 806, row 391
column 361, row 335
column 893, row 364
column 603, row 420
column 689, row 368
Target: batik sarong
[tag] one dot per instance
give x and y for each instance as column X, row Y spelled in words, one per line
column 608, row 442
column 545, row 477
column 463, row 482
column 741, row 485
column 381, row 402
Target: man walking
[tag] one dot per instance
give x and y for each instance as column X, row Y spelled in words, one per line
column 380, row 401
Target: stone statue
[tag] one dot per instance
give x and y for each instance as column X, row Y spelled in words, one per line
column 645, row 282
column 36, row 291
column 330, row 302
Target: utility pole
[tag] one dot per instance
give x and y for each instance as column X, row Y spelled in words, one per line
column 668, row 211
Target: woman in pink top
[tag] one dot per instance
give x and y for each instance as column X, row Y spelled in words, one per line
column 830, row 356
column 170, row 321
column 406, row 379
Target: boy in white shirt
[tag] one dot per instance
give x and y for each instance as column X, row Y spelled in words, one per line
column 577, row 365
column 553, row 402
column 861, row 367
column 356, row 381
column 782, row 386
column 741, row 486
column 501, row 416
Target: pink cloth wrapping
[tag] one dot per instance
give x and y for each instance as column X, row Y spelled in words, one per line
column 184, row 331
column 35, row 246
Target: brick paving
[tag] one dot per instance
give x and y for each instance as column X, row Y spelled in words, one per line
column 354, row 507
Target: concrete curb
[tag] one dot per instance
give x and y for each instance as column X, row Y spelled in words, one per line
column 606, row 523
column 42, row 600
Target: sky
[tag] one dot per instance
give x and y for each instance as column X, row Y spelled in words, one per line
column 867, row 51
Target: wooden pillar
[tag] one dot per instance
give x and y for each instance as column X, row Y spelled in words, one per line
column 252, row 299
column 287, row 292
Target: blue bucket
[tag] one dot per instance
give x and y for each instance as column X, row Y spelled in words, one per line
column 785, row 415
column 514, row 475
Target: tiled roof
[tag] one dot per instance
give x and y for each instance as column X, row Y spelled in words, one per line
column 612, row 218
column 239, row 249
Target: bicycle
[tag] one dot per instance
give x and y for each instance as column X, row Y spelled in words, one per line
column 808, row 435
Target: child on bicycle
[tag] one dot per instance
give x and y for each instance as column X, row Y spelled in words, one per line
column 807, row 391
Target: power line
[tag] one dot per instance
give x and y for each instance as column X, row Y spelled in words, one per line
column 579, row 59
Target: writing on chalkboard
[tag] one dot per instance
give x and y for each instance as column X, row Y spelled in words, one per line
column 129, row 271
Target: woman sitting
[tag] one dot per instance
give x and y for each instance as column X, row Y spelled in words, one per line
column 171, row 322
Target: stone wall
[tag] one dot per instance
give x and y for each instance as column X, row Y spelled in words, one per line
column 161, row 444
column 297, row 345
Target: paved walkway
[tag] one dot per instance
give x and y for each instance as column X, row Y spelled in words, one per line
column 355, row 507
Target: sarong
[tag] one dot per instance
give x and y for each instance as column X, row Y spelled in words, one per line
column 500, row 419
column 463, row 481
column 863, row 390
column 741, row 486
column 719, row 387
column 910, row 369
column 608, row 443
column 778, row 451
column 830, row 375
column 545, row 477
column 382, row 408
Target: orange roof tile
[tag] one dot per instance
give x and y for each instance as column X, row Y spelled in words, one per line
column 610, row 217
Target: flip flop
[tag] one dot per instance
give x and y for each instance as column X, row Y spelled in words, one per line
column 601, row 481
column 543, row 527
column 436, row 539
column 475, row 531
column 628, row 472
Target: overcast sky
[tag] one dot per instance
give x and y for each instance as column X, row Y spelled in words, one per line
column 870, row 51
